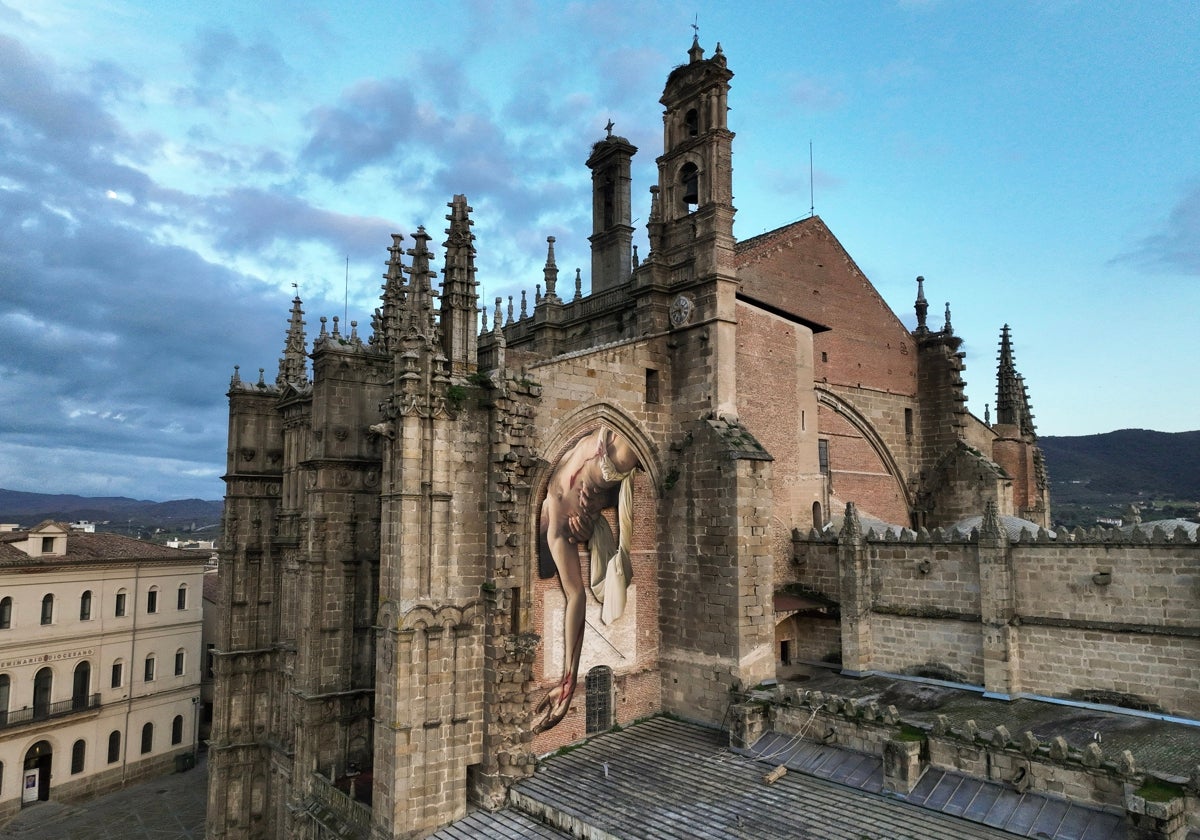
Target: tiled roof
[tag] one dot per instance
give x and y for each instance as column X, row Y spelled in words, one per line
column 83, row 548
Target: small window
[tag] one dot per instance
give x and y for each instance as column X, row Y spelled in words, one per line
column 147, row 738
column 5, row 689
column 652, row 394
column 47, row 545
column 120, row 608
column 114, row 747
column 210, row 660
column 823, row 456
column 149, row 674
column 181, row 597
column 179, row 662
column 77, row 755
column 824, row 356
column 152, row 600
column 5, row 613
column 177, row 730
column 85, row 606
column 48, row 609
column 598, row 687
column 118, row 674
column 691, row 122
column 908, row 422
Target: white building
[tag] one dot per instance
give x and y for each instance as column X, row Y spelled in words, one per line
column 100, row 662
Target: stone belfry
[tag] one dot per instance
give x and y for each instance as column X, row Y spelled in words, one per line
column 612, row 230
column 429, row 636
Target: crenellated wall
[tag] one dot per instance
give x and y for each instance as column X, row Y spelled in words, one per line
column 1095, row 616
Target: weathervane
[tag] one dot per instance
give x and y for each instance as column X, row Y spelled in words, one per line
column 696, row 26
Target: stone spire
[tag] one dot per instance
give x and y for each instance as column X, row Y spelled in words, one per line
column 418, row 319
column 460, row 300
column 696, row 52
column 551, row 272
column 293, row 366
column 922, row 307
column 1012, row 399
column 386, row 320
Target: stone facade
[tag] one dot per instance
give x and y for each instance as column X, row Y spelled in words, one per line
column 398, row 600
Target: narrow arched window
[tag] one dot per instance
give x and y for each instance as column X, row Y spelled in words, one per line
column 147, row 738
column 818, row 517
column 114, row 746
column 689, row 182
column 78, row 753
column 691, row 122
column 48, row 609
column 181, row 597
column 5, row 613
column 85, row 605
column 118, row 674
column 81, row 686
column 177, row 730
column 43, row 684
column 179, row 656
column 5, row 690
column 152, row 600
column 119, row 609
column 148, row 673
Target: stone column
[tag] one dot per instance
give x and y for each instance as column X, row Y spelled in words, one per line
column 854, row 572
column 1001, row 667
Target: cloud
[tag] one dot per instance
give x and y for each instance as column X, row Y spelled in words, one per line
column 815, row 95
column 225, row 64
column 366, row 126
column 1175, row 248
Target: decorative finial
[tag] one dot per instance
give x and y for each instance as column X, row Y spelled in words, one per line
column 633, row 263
column 496, row 317
column 510, row 310
column 336, row 334
column 609, row 127
column 551, row 270
column 578, row 285
column 949, row 330
column 987, row 414
column 524, row 312
column 922, row 306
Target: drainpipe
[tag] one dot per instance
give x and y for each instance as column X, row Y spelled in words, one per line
column 137, row 572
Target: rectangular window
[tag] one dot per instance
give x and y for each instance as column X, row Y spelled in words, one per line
column 120, row 610
column 47, row 545
column 179, row 663
column 118, row 674
column 181, row 598
column 152, row 601
column 908, row 422
column 652, row 394
column 823, row 456
column 149, row 675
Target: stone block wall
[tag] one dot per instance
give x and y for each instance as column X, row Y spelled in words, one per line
column 1091, row 615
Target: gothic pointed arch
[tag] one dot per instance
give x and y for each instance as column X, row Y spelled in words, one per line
column 864, row 427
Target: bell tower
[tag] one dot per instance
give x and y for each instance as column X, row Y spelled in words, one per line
column 612, row 231
column 695, row 171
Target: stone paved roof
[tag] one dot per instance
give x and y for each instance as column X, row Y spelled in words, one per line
column 1164, row 747
column 672, row 780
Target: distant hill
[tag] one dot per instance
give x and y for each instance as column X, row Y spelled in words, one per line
column 1128, row 464
column 123, row 514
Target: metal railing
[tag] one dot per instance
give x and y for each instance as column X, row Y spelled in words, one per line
column 46, row 711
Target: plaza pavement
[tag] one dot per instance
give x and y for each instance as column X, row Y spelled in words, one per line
column 164, row 808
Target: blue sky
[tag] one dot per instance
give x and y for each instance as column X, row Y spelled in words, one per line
column 167, row 174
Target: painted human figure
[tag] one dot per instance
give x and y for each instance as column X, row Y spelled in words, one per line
column 591, row 477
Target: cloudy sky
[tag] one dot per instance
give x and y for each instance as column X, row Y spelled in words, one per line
column 168, row 171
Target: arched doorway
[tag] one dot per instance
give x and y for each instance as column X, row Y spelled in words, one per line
column 35, row 785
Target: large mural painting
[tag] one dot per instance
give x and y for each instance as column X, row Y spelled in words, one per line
column 586, row 538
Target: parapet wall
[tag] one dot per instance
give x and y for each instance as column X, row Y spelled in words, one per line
column 1099, row 615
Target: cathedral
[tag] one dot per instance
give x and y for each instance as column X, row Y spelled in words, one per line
column 449, row 549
